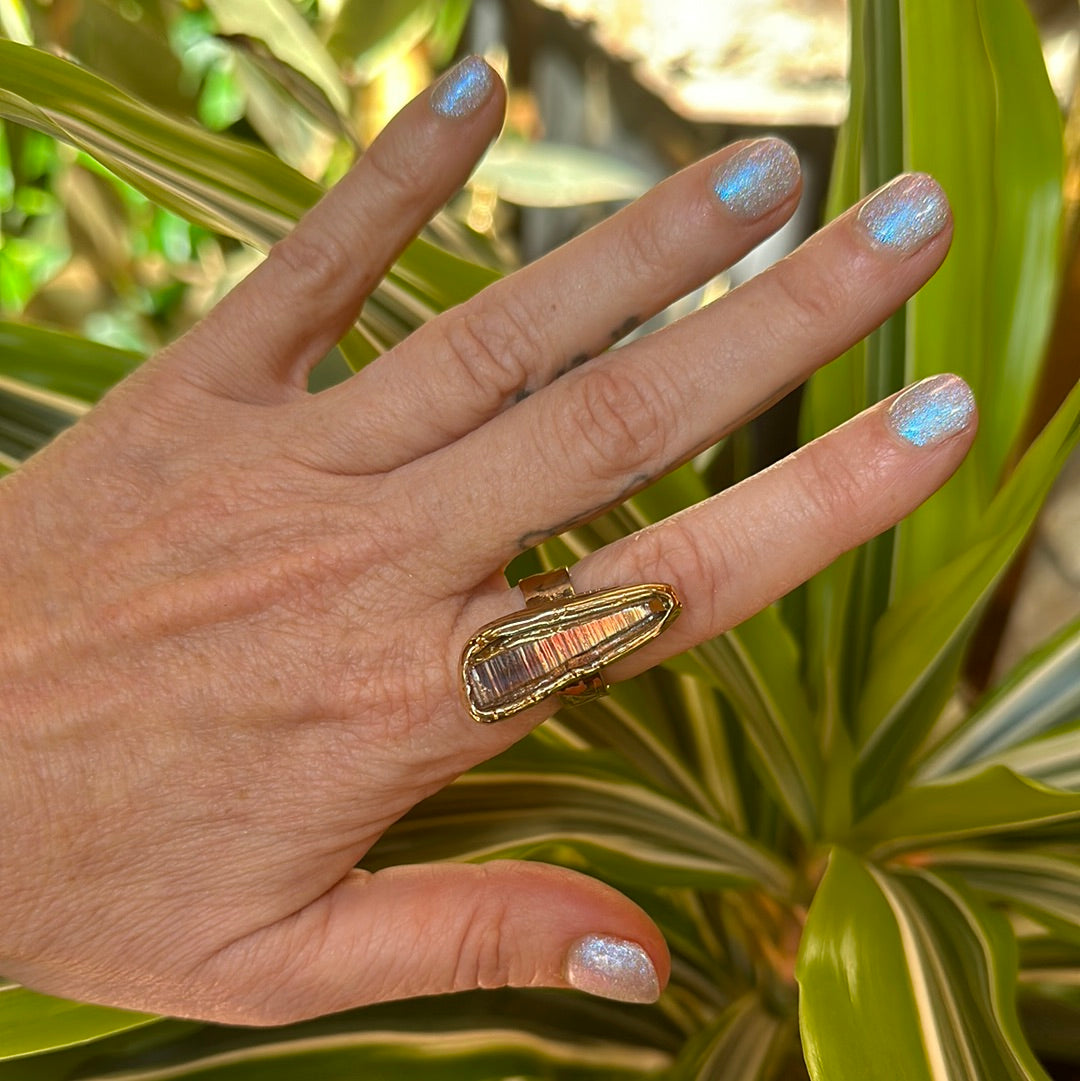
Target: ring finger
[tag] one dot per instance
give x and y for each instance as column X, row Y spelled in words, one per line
column 735, row 553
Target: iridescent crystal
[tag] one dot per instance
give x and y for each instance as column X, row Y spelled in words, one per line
column 520, row 660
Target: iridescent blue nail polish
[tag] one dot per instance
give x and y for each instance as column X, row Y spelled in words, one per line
column 463, row 89
column 757, row 178
column 905, row 214
column 932, row 410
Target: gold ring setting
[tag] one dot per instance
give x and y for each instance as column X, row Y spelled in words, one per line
column 559, row 644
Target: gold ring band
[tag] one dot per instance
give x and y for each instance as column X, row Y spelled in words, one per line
column 559, row 644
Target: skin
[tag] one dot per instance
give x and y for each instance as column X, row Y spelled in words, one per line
column 233, row 611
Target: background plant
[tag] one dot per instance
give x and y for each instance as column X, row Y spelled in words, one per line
column 862, row 872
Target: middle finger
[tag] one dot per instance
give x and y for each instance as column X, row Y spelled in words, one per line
column 594, row 437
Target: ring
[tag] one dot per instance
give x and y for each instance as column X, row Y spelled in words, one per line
column 559, row 644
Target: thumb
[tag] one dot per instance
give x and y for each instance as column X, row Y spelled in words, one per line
column 433, row 928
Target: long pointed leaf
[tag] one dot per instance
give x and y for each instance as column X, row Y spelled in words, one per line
column 904, row 976
column 992, row 802
column 584, row 810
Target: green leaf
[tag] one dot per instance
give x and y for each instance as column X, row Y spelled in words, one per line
column 1041, row 694
column 919, row 643
column 61, row 363
column 905, row 976
column 986, row 314
column 745, row 1043
column 31, row 1023
column 582, row 809
column 993, row 801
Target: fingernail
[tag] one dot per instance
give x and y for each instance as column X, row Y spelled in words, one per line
column 757, row 179
column 932, row 410
column 463, row 89
column 905, row 214
column 612, row 968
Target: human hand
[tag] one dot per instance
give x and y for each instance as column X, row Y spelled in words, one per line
column 234, row 611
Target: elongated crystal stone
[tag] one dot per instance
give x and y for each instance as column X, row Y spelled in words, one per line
column 523, row 658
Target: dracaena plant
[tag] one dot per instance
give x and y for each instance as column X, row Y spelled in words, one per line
column 861, row 873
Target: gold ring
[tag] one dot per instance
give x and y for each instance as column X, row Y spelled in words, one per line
column 559, row 644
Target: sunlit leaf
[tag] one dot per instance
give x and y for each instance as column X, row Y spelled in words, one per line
column 552, row 174
column 289, row 39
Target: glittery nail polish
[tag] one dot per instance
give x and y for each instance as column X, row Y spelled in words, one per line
column 463, row 89
column 905, row 214
column 612, row 968
column 757, row 178
column 932, row 410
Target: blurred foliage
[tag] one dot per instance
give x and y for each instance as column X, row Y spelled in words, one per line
column 831, row 835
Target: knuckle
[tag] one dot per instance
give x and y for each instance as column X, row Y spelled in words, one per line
column 704, row 564
column 833, row 485
column 400, row 171
column 812, row 298
column 618, row 419
column 315, row 263
column 492, row 346
column 646, row 240
column 484, row 958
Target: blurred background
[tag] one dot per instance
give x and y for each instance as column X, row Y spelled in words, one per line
column 606, row 98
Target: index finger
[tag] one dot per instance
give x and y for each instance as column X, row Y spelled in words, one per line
column 283, row 318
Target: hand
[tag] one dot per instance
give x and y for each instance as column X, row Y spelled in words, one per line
column 234, row 610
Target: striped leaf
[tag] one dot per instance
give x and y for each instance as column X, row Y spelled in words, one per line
column 755, row 667
column 61, row 363
column 995, row 801
column 1052, row 760
column 907, row 976
column 745, row 1043
column 477, row 1035
column 583, row 810
column 1044, row 886
column 47, row 381
column 1039, row 696
column 30, row 417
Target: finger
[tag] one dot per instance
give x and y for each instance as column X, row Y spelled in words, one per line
column 735, row 553
column 432, row 929
column 284, row 317
column 597, row 436
column 521, row 333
